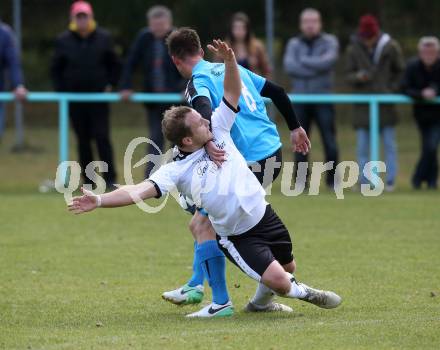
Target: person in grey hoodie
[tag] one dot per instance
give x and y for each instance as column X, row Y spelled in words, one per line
column 309, row 60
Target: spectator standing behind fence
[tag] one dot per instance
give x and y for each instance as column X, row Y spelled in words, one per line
column 159, row 73
column 85, row 61
column 309, row 60
column 374, row 65
column 422, row 82
column 9, row 62
column 249, row 51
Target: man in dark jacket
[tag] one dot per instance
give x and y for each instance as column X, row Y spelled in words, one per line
column 422, row 82
column 9, row 62
column 309, row 60
column 84, row 61
column 375, row 65
column 159, row 73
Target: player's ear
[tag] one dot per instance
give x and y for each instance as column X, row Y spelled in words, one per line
column 175, row 60
column 201, row 52
column 187, row 141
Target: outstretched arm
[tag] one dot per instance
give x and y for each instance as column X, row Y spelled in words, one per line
column 123, row 196
column 232, row 82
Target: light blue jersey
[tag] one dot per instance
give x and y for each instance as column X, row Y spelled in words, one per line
column 253, row 133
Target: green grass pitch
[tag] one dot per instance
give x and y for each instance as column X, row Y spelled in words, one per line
column 95, row 281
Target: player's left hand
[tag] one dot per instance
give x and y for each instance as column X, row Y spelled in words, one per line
column 216, row 154
column 87, row 202
column 300, row 141
column 222, row 50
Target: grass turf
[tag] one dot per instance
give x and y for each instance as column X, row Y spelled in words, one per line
column 94, row 281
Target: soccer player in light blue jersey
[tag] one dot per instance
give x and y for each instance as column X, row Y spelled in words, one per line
column 255, row 136
column 250, row 232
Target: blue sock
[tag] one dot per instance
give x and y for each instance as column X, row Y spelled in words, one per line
column 197, row 277
column 213, row 263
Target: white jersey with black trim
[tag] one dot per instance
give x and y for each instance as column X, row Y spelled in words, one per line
column 231, row 194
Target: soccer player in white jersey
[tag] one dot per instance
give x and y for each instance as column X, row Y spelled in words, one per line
column 254, row 135
column 250, row 233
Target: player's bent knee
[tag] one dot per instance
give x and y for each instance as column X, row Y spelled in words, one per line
column 206, row 233
column 204, row 223
column 193, row 227
column 201, row 228
column 276, row 279
column 196, row 224
column 290, row 267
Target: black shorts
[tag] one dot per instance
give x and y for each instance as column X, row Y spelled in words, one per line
column 254, row 250
column 262, row 169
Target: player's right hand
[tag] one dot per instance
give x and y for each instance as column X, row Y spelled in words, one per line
column 87, row 202
column 216, row 154
column 300, row 141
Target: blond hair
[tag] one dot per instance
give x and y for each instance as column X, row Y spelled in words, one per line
column 174, row 125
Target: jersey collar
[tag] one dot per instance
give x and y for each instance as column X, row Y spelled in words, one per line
column 181, row 155
column 199, row 66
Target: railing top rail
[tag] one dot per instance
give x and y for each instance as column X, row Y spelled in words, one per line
column 177, row 98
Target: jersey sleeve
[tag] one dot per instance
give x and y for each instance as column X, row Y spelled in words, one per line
column 196, row 87
column 165, row 179
column 224, row 116
column 257, row 80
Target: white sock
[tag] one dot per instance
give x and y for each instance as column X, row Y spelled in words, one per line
column 263, row 295
column 296, row 291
